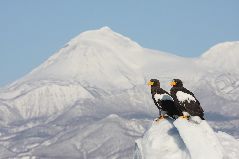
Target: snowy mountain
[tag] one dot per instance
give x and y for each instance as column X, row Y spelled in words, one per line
column 66, row 104
column 223, row 56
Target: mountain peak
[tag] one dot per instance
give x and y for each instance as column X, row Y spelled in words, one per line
column 223, row 54
column 103, row 36
column 230, row 47
column 100, row 53
column 105, row 28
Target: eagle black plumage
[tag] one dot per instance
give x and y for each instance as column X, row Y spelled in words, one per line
column 185, row 100
column 163, row 100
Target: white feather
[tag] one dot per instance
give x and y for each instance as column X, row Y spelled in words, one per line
column 164, row 96
column 186, row 114
column 181, row 96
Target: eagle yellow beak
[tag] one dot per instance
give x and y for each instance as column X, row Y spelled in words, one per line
column 172, row 83
column 150, row 83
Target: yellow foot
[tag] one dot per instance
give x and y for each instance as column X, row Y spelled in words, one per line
column 160, row 118
column 184, row 117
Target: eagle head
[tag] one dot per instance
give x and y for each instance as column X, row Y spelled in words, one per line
column 176, row 83
column 153, row 83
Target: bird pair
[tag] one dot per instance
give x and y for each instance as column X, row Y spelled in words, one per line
column 179, row 103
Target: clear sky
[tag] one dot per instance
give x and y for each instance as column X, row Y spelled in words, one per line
column 31, row 31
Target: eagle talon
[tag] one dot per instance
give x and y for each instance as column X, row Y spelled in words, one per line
column 160, row 118
column 184, row 117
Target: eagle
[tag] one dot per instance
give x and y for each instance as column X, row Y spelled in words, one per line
column 163, row 101
column 185, row 100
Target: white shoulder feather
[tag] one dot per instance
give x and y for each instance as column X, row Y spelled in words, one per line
column 164, row 96
column 181, row 96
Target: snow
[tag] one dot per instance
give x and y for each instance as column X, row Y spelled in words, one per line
column 231, row 145
column 181, row 139
column 223, row 56
column 162, row 140
column 49, row 99
column 199, row 139
column 106, row 138
column 68, row 100
column 84, row 60
column 181, row 96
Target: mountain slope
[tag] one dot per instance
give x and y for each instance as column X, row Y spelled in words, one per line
column 222, row 57
column 101, row 54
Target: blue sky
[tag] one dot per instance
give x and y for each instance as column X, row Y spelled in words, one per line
column 31, row 31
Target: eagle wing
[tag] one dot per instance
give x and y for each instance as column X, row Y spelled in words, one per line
column 189, row 102
column 163, row 96
column 183, row 97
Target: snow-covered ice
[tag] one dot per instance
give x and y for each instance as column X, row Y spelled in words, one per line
column 167, row 139
column 162, row 140
column 199, row 139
